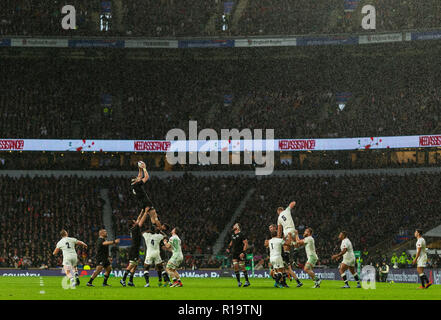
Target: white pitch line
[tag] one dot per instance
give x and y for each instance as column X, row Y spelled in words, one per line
column 42, row 285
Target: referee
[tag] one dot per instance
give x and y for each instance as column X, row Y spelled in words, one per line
column 102, row 258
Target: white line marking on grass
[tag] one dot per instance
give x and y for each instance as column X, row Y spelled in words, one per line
column 42, row 285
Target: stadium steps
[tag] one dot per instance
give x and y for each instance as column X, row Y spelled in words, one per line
column 221, row 240
column 241, row 6
column 107, row 214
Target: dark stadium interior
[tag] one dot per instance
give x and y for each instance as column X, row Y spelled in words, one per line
column 379, row 196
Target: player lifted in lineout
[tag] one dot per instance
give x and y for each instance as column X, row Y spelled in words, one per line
column 347, row 252
column 70, row 258
column 239, row 245
column 153, row 256
column 421, row 259
column 285, row 226
column 137, row 186
column 275, row 245
column 102, row 258
column 311, row 255
column 135, row 231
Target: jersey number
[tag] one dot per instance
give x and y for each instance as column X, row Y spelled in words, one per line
column 67, row 244
column 152, row 242
column 284, row 218
column 272, row 247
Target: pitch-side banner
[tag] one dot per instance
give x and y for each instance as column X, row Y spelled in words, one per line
column 220, row 145
column 275, row 42
column 396, row 275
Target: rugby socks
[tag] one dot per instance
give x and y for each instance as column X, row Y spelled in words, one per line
column 284, row 279
column 126, row 273
column 278, row 277
column 357, row 278
column 245, row 274
column 343, row 276
column 237, row 276
column 165, row 276
column 90, row 280
column 146, row 276
column 131, row 276
column 298, row 281
column 106, row 277
column 423, row 279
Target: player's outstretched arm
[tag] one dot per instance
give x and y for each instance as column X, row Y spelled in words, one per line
column 56, row 251
column 279, row 231
column 337, row 256
column 139, row 217
column 298, row 241
column 142, row 219
column 292, row 205
column 146, row 174
column 108, row 243
column 81, row 243
column 266, row 244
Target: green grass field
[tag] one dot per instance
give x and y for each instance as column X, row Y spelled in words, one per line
column 50, row 288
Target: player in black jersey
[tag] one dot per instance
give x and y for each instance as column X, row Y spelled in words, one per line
column 102, row 258
column 137, row 186
column 239, row 245
column 135, row 231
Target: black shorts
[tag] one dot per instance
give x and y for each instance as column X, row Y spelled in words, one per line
column 236, row 256
column 145, row 202
column 103, row 262
column 134, row 255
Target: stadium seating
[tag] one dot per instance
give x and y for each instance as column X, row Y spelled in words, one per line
column 34, row 210
column 171, row 18
column 371, row 208
column 297, row 97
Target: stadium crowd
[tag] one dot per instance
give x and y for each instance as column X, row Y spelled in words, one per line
column 144, row 100
column 171, row 18
column 34, row 210
column 373, row 209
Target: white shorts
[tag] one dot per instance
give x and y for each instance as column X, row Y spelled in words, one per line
column 277, row 262
column 422, row 262
column 349, row 261
column 153, row 259
column 289, row 230
column 312, row 260
column 70, row 261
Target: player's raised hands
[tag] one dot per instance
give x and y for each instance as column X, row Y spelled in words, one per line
column 292, row 204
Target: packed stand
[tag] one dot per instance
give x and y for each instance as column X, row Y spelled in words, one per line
column 33, row 211
column 296, row 97
column 371, row 208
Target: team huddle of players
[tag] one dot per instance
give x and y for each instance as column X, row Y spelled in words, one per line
column 283, row 237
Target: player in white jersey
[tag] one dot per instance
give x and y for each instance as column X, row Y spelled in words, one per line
column 347, row 252
column 275, row 246
column 285, row 225
column 421, row 259
column 174, row 245
column 153, row 256
column 309, row 243
column 70, row 258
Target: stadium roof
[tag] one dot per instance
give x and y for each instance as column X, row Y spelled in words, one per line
column 436, row 232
